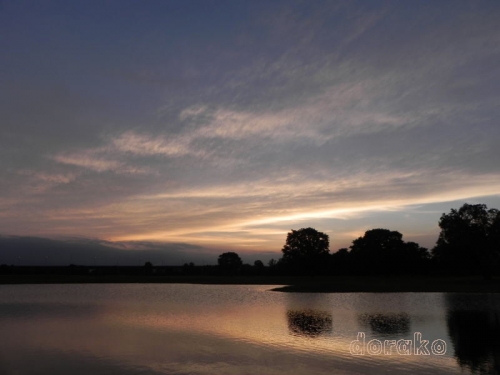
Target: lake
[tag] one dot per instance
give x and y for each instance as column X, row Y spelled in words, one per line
column 243, row 329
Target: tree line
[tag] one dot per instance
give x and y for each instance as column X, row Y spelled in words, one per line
column 469, row 243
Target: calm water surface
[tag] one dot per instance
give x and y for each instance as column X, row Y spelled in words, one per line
column 225, row 329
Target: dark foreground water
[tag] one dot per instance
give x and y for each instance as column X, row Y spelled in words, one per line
column 224, row 329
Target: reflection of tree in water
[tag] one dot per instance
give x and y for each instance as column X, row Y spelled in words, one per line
column 387, row 324
column 475, row 335
column 308, row 322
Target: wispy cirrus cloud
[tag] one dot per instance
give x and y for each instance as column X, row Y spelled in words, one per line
column 141, row 144
column 89, row 160
column 99, row 160
column 323, row 118
column 338, row 115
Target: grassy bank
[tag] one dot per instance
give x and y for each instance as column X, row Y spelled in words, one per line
column 333, row 284
column 130, row 279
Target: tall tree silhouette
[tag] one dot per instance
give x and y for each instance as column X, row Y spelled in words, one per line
column 469, row 241
column 306, row 251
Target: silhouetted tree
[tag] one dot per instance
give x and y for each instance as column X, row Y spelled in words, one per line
column 381, row 251
column 343, row 252
column 230, row 262
column 258, row 264
column 306, row 251
column 340, row 261
column 258, row 268
column 469, row 240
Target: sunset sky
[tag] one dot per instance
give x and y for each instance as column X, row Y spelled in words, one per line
column 221, row 125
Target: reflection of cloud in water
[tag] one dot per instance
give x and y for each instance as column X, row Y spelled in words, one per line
column 387, row 324
column 308, row 322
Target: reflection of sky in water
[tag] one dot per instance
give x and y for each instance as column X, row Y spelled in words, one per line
column 202, row 329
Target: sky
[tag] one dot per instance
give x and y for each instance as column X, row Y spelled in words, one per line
column 198, row 127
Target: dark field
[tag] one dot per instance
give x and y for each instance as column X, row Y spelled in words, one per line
column 332, row 284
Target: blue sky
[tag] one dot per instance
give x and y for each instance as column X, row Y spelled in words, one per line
column 224, row 124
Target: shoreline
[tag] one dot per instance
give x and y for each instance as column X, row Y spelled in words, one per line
column 320, row 284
